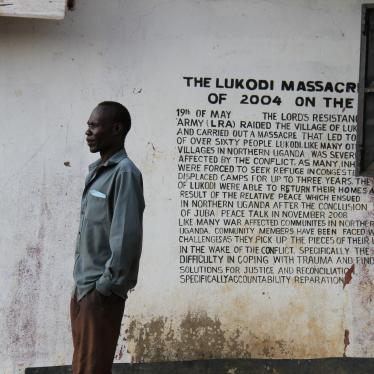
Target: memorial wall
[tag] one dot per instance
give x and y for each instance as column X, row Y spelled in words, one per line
column 269, row 196
column 258, row 237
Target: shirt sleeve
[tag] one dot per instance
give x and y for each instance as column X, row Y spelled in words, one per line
column 126, row 232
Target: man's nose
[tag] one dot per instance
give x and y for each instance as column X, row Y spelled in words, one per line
column 88, row 132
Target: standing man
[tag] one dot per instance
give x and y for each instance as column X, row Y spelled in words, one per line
column 109, row 241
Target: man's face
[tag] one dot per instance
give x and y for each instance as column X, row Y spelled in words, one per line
column 99, row 135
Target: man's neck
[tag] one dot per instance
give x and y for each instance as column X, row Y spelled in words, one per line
column 106, row 155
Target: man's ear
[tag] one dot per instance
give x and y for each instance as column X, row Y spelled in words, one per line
column 117, row 128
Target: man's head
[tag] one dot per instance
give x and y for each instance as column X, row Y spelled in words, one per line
column 108, row 126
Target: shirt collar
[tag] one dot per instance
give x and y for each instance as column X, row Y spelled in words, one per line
column 114, row 159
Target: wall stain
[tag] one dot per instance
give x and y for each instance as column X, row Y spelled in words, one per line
column 120, row 353
column 346, row 341
column 21, row 317
column 348, row 275
column 22, row 314
column 196, row 337
column 363, row 295
column 121, row 348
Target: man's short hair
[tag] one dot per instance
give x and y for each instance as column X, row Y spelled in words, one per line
column 119, row 114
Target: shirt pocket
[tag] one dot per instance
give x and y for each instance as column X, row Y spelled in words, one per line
column 96, row 210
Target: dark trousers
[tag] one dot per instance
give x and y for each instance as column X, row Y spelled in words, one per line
column 95, row 324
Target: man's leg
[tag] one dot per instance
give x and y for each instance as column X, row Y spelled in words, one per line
column 96, row 322
column 74, row 311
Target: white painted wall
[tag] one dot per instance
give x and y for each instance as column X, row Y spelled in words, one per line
column 53, row 74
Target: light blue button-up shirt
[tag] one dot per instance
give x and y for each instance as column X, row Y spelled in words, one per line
column 109, row 240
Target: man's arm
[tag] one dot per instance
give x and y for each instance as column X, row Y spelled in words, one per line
column 126, row 231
